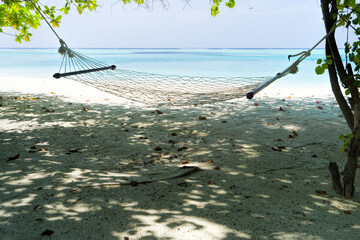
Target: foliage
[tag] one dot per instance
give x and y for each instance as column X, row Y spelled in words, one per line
column 22, row 15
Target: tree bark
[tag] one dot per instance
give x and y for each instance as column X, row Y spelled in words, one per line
column 353, row 120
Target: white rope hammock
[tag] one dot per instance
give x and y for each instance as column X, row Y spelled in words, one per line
column 157, row 89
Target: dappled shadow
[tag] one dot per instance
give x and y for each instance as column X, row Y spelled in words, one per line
column 251, row 185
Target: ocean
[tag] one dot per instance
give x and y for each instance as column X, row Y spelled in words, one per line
column 43, row 63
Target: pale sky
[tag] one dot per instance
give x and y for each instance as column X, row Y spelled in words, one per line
column 250, row 24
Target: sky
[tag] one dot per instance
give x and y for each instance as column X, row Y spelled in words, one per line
column 250, row 24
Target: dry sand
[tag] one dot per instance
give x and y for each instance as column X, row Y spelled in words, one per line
column 263, row 172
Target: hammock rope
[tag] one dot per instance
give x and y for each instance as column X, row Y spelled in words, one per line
column 157, row 89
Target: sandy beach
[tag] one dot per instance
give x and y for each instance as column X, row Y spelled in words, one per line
column 78, row 163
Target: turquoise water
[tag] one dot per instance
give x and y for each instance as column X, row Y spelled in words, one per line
column 44, row 63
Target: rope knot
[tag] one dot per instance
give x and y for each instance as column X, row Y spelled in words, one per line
column 64, row 49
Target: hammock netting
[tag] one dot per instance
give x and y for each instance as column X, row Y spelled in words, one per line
column 153, row 89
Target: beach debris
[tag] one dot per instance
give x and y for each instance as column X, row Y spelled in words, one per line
column 202, row 118
column 172, row 142
column 281, row 109
column 278, row 148
column 207, row 161
column 52, row 93
column 183, row 184
column 216, row 168
column 48, row 110
column 85, row 109
column 159, row 112
column 182, row 148
column 42, row 150
column 347, row 212
column 173, row 134
column 319, row 107
column 14, row 157
column 47, row 232
column 85, row 124
column 186, row 162
column 106, row 99
column 133, row 183
column 158, row 148
column 256, row 104
column 322, row 192
column 75, row 150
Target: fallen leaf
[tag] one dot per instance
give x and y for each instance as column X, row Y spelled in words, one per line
column 182, row 148
column 74, row 150
column 318, row 102
column 158, row 148
column 85, row 109
column 319, row 107
column 47, row 232
column 133, row 183
column 290, row 136
column 270, row 124
column 14, row 157
column 278, row 148
column 52, row 93
column 224, row 121
column 159, row 112
column 106, row 99
column 85, row 124
column 185, row 162
column 277, row 139
column 289, row 105
column 314, row 156
column 87, row 100
column 216, row 168
column 289, row 97
column 321, row 192
column 277, row 118
column 126, row 238
column 295, row 133
column 211, row 182
column 183, row 184
column 213, row 113
column 143, row 138
column 173, row 134
column 42, row 150
column 202, row 118
column 256, row 104
column 281, row 109
column 347, row 212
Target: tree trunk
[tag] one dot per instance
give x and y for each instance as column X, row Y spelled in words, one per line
column 353, row 120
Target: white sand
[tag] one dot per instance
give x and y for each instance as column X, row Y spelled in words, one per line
column 246, row 190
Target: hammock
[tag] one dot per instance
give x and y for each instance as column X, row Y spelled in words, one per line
column 157, row 89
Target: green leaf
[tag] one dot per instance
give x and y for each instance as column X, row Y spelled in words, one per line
column 347, row 92
column 319, row 61
column 319, row 70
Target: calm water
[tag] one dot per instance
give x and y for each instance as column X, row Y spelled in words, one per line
column 194, row 62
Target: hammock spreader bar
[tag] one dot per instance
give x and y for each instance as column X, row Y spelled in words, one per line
column 59, row 75
column 251, row 94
